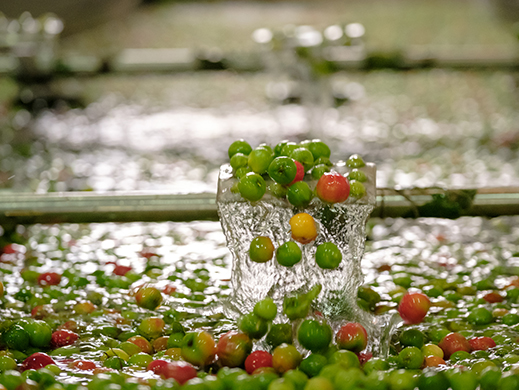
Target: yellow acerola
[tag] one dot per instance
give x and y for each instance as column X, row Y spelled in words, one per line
column 304, row 228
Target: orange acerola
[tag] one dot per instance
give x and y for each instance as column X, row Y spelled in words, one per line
column 304, row 228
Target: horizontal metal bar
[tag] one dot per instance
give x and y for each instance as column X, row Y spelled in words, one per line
column 171, row 60
column 83, row 207
column 79, row 207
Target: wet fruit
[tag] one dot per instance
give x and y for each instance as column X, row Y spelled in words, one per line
column 239, row 146
column 314, row 335
column 252, row 187
column 232, row 348
column 289, row 254
column 285, row 357
column 299, row 194
column 148, row 297
column 259, row 160
column 282, row 170
column 332, row 187
column 198, row 348
column 261, row 249
column 413, row 307
column 303, row 228
column 352, row 336
column 328, row 256
column 256, row 360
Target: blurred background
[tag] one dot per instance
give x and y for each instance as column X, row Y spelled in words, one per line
column 132, row 95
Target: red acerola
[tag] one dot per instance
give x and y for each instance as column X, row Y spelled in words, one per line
column 180, row 371
column 122, row 270
column 36, row 361
column 300, row 173
column 332, row 187
column 148, row 253
column 493, row 297
column 49, row 279
column 352, row 336
column 414, row 307
column 454, row 342
column 157, row 366
column 63, row 337
column 482, row 343
column 232, row 348
column 9, row 249
column 85, row 365
column 69, row 325
column 169, row 289
column 364, row 357
column 41, row 311
column 256, row 360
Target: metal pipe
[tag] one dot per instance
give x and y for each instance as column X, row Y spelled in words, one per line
column 172, row 60
column 84, row 207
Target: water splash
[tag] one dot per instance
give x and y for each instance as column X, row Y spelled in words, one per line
column 343, row 224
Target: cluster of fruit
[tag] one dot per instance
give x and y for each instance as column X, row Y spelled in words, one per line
column 304, row 231
column 113, row 338
column 297, row 172
column 189, row 357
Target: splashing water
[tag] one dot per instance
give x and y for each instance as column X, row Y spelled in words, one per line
column 343, row 224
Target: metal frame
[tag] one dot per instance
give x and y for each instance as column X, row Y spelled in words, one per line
column 86, row 207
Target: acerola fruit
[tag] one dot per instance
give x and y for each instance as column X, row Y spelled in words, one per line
column 300, row 174
column 303, row 227
column 256, row 360
column 63, row 337
column 85, row 365
column 180, row 371
column 352, row 336
column 36, row 361
column 283, row 170
column 414, row 307
column 493, row 297
column 454, row 342
column 482, row 343
column 239, row 146
column 289, row 254
column 148, row 297
column 332, row 187
column 84, row 307
column 121, row 270
column 157, row 366
column 49, row 279
column 285, row 357
column 252, row 187
column 303, row 156
column 232, row 348
column 261, row 249
column 142, row 343
column 433, row 361
column 198, row 348
column 328, row 256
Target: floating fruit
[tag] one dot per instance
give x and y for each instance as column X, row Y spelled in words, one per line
column 261, row 249
column 303, row 228
column 332, row 187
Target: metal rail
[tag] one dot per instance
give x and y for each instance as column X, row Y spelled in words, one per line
column 85, row 207
column 172, row 60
